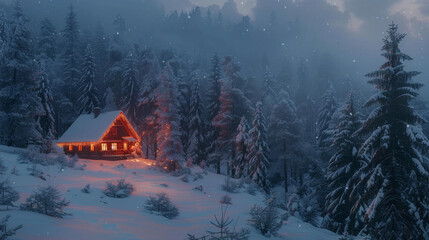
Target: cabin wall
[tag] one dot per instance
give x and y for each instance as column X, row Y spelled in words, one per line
column 98, row 153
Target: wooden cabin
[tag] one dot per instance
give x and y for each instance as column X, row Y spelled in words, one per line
column 107, row 136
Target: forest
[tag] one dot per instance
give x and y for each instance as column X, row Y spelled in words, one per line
column 345, row 150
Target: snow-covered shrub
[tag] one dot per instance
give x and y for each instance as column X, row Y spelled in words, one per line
column 8, row 195
column 198, row 176
column 226, row 199
column 252, row 188
column 2, row 167
column 293, row 204
column 86, row 189
column 198, row 188
column 161, row 204
column 121, row 166
column 346, row 236
column 230, row 186
column 14, row 171
column 309, row 210
column 120, row 189
column 185, row 178
column 5, row 231
column 81, row 167
column 47, row 201
column 65, row 161
column 266, row 219
column 34, row 170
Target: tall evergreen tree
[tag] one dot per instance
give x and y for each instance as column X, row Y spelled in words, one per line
column 269, row 90
column 71, row 56
column 259, row 150
column 168, row 137
column 19, row 103
column 47, row 43
column 197, row 127
column 213, row 94
column 241, row 161
column 101, row 59
column 325, row 121
column 340, row 172
column 89, row 98
column 395, row 181
column 130, row 89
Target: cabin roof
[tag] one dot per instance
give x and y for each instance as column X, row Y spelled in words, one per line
column 86, row 128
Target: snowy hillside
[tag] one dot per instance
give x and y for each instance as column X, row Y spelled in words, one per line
column 95, row 216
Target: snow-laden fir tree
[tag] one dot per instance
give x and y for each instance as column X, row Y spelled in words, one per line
column 130, row 89
column 47, row 118
column 197, row 127
column 259, row 151
column 241, row 161
column 325, row 120
column 340, row 172
column 269, row 91
column 47, row 43
column 168, row 136
column 19, row 103
column 213, row 94
column 101, row 60
column 284, row 129
column 395, row 181
column 47, row 201
column 89, row 98
column 4, row 31
column 5, row 230
column 8, row 195
column 71, row 58
column 223, row 126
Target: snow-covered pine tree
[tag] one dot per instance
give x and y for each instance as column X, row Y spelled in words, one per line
column 4, row 32
column 89, row 98
column 324, row 128
column 47, row 118
column 269, row 92
column 19, row 103
column 197, row 125
column 109, row 101
column 101, row 59
column 213, row 94
column 284, row 129
column 242, row 138
column 8, row 195
column 223, row 126
column 71, row 57
column 47, row 48
column 259, row 150
column 168, row 137
column 130, row 89
column 395, row 180
column 342, row 166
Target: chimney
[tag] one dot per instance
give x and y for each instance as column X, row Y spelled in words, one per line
column 97, row 112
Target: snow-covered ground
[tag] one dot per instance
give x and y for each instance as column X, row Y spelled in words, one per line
column 95, row 216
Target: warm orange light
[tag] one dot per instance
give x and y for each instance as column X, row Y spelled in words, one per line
column 104, row 147
column 125, row 146
column 80, row 148
column 114, row 146
column 92, row 147
column 70, row 147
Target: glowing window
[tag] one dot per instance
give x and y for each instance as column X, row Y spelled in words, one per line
column 70, row 147
column 80, row 148
column 104, row 147
column 125, row 146
column 92, row 147
column 114, row 146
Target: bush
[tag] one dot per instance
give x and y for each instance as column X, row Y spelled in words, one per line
column 5, row 232
column 8, row 195
column 65, row 161
column 14, row 171
column 252, row 188
column 86, row 189
column 226, row 199
column 266, row 219
column 34, row 171
column 162, row 205
column 230, row 186
column 309, row 210
column 121, row 189
column 346, row 236
column 47, row 201
column 2, row 167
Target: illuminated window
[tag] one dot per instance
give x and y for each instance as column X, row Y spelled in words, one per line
column 125, row 146
column 92, row 147
column 104, row 147
column 70, row 147
column 114, row 146
column 80, row 148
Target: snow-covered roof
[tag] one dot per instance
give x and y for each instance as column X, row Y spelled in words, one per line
column 86, row 128
column 130, row 139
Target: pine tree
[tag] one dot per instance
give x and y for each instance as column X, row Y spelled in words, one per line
column 71, row 56
column 47, row 47
column 395, row 181
column 19, row 103
column 340, row 172
column 325, row 121
column 242, row 138
column 101, row 59
column 213, row 94
column 259, row 150
column 130, row 89
column 284, row 130
column 89, row 98
column 223, row 126
column 269, row 90
column 8, row 195
column 197, row 127
column 168, row 137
